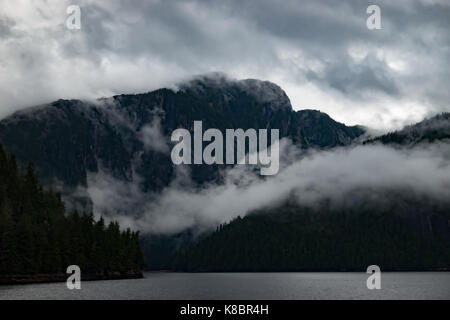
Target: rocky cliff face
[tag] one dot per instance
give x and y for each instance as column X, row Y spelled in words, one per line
column 129, row 135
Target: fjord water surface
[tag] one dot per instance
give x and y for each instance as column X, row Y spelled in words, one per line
column 246, row 286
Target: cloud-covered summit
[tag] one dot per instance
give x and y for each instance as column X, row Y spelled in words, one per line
column 320, row 52
column 265, row 92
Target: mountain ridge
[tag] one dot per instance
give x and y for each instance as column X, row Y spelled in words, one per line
column 66, row 139
column 435, row 128
column 127, row 136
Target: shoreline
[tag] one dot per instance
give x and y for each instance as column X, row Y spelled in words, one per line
column 62, row 277
column 295, row 271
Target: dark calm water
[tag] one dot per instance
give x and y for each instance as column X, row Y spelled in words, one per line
column 240, row 286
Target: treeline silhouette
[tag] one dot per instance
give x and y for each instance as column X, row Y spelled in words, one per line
column 430, row 130
column 38, row 237
column 292, row 238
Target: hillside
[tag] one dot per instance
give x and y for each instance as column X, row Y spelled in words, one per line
column 389, row 225
column 434, row 129
column 409, row 235
column 69, row 138
column 38, row 240
column 127, row 137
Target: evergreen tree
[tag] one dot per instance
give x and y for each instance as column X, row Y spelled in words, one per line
column 37, row 236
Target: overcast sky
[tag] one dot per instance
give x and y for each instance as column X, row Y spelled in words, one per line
column 320, row 52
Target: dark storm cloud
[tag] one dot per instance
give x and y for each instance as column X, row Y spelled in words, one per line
column 354, row 78
column 320, row 52
column 5, row 27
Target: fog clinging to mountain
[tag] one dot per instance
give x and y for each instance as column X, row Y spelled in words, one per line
column 340, row 176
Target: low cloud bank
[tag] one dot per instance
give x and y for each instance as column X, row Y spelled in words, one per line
column 337, row 176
